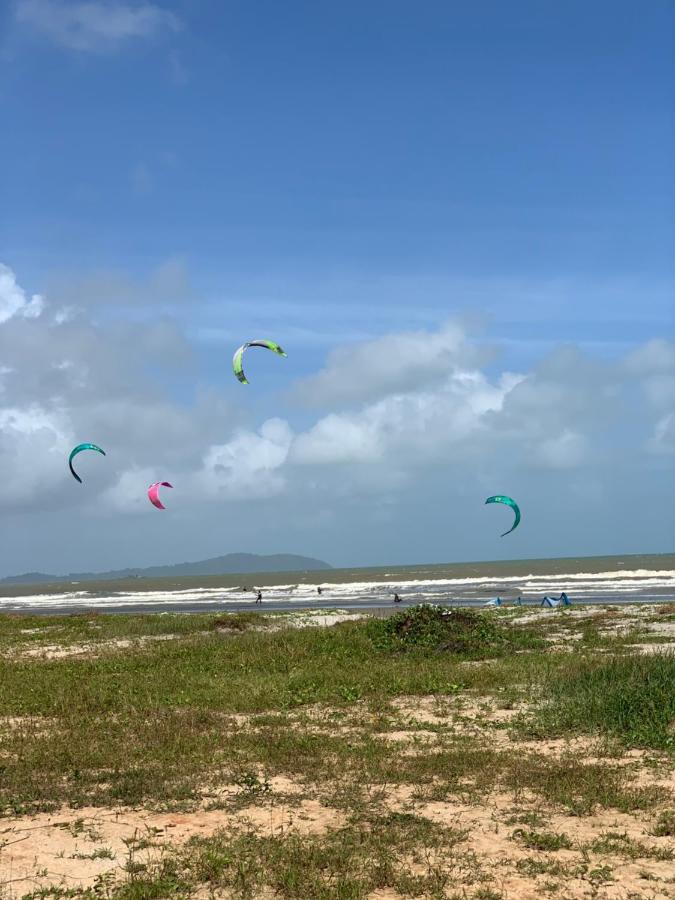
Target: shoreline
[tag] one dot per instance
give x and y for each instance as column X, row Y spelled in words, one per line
column 375, row 608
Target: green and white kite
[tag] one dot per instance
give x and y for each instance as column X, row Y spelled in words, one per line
column 508, row 501
column 237, row 361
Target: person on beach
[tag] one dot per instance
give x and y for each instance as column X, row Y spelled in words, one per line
column 258, row 599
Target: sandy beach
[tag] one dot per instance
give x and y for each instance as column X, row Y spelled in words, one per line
column 332, row 754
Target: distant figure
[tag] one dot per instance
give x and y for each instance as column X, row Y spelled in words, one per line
column 319, row 590
column 258, row 599
column 397, row 599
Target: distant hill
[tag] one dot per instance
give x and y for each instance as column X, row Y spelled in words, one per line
column 230, row 564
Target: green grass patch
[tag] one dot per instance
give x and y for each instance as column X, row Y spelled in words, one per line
column 131, row 726
column 613, row 843
column 631, row 698
column 345, row 864
column 665, row 824
column 92, row 627
column 542, row 840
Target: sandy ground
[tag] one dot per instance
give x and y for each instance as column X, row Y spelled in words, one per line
column 621, row 621
column 91, row 846
column 49, row 651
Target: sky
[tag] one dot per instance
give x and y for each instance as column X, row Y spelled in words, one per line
column 457, row 219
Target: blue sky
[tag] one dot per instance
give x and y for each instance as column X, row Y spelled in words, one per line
column 328, row 174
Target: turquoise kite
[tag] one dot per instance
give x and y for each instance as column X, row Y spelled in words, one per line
column 237, row 360
column 498, row 498
column 79, row 449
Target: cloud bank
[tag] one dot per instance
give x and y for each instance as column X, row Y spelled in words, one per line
column 395, row 419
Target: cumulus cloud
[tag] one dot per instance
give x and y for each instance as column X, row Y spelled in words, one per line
column 385, row 435
column 415, row 427
column 66, row 380
column 33, row 444
column 166, row 287
column 94, row 26
column 13, row 299
column 128, row 494
column 654, row 357
column 391, row 364
column 248, row 466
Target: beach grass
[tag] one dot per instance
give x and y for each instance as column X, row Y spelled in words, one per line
column 125, row 719
column 628, row 697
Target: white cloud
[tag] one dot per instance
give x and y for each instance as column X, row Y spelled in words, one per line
column 443, row 432
column 248, row 466
column 566, row 450
column 129, row 492
column 663, row 439
column 34, row 442
column 433, row 424
column 654, row 357
column 340, row 439
column 13, row 299
column 395, row 363
column 94, row 26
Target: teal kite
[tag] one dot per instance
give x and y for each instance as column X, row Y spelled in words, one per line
column 79, row 449
column 237, row 360
column 498, row 498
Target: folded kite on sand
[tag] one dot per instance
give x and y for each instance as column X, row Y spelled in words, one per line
column 562, row 600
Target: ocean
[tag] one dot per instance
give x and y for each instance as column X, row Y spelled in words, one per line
column 606, row 579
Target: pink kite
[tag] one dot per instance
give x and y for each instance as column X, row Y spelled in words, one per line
column 153, row 493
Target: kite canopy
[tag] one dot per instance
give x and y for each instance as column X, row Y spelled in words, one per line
column 500, row 498
column 238, row 358
column 153, row 493
column 562, row 600
column 79, row 449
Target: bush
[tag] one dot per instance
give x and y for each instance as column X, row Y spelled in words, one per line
column 428, row 627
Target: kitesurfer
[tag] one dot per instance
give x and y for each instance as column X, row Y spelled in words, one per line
column 319, row 591
column 397, row 599
column 258, row 599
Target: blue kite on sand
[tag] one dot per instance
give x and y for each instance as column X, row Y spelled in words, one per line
column 496, row 602
column 562, row 600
